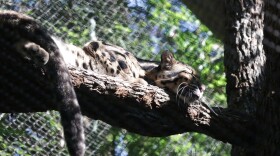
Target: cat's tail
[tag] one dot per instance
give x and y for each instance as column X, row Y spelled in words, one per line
column 15, row 27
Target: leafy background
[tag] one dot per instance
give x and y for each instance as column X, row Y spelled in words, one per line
column 144, row 27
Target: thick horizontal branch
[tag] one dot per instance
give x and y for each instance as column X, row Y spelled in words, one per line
column 149, row 110
column 146, row 110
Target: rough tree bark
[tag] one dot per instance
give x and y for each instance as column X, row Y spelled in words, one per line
column 244, row 59
column 244, row 55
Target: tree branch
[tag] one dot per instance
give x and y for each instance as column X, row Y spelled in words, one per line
column 149, row 110
column 146, row 110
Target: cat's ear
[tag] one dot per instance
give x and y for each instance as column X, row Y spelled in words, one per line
column 92, row 46
column 167, row 60
column 167, row 57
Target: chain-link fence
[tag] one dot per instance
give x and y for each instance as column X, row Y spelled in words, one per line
column 144, row 27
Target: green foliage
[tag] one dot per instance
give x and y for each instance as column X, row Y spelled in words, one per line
column 26, row 139
column 179, row 145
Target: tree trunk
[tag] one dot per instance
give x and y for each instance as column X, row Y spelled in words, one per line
column 254, row 89
column 244, row 59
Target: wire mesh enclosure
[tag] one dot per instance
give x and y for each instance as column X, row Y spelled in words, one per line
column 143, row 27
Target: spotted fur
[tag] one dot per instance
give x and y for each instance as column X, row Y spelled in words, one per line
column 103, row 59
column 115, row 61
column 25, row 36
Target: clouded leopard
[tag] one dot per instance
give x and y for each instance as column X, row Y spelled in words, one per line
column 115, row 61
column 36, row 45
